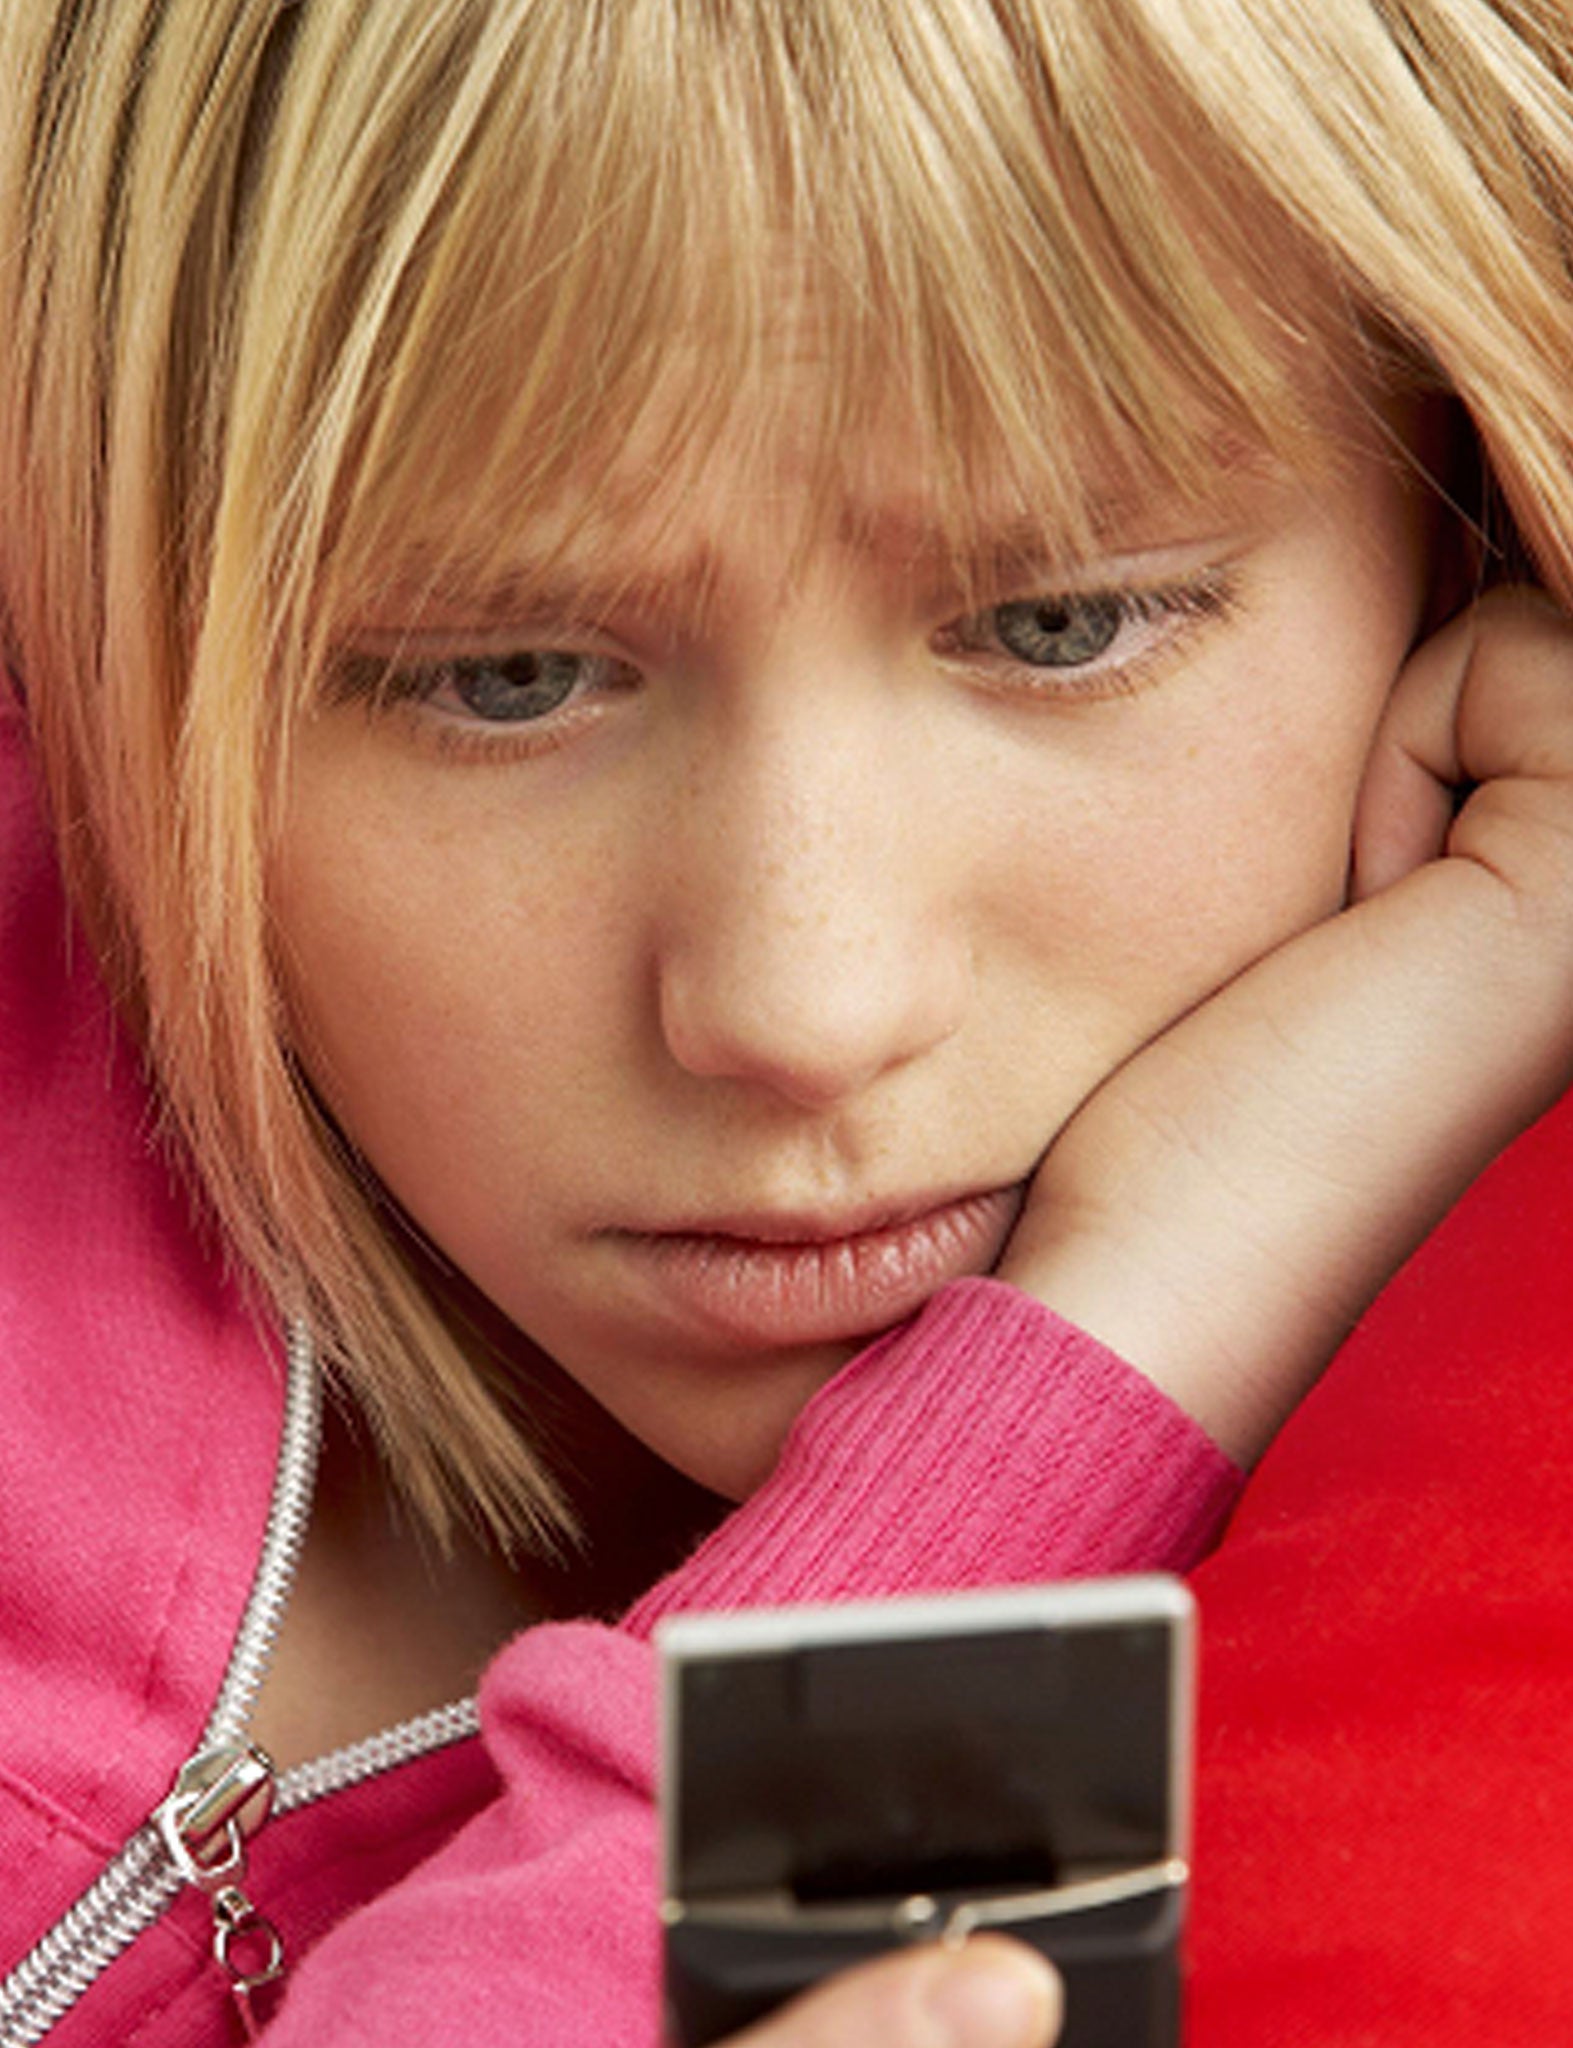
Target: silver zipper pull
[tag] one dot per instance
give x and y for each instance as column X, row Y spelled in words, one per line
column 222, row 1796
column 250, row 1952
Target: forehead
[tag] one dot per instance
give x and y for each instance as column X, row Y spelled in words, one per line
column 673, row 514
column 780, row 279
column 916, row 378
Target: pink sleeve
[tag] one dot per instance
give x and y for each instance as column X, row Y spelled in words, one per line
column 986, row 1442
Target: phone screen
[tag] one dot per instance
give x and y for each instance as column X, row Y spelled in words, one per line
column 829, row 1769
column 862, row 1768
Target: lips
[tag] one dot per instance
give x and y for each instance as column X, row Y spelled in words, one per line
column 771, row 1282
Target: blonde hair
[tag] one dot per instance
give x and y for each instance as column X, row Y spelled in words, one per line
column 274, row 272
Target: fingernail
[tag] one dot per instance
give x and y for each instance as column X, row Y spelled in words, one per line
column 993, row 1997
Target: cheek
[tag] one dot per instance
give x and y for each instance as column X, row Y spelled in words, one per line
column 1254, row 781
column 1209, row 841
column 452, row 1010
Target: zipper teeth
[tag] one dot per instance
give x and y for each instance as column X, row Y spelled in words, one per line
column 128, row 1896
column 141, row 1881
column 305, row 1784
column 289, row 1511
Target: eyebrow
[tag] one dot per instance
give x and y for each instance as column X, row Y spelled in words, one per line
column 443, row 591
column 477, row 598
column 911, row 533
column 940, row 561
column 678, row 596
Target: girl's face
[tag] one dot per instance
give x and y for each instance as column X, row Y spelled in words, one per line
column 705, row 960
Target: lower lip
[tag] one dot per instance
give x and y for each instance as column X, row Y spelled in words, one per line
column 760, row 1293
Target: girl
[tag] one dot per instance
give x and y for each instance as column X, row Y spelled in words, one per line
column 705, row 675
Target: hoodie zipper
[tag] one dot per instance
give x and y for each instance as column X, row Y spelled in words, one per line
column 197, row 1835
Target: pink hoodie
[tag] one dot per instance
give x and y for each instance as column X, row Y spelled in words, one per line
column 987, row 1442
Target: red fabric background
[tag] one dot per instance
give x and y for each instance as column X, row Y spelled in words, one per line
column 1384, row 1846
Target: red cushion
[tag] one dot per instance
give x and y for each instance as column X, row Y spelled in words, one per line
column 1384, row 1844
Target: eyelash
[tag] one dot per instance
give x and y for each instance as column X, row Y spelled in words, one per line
column 387, row 687
column 1174, row 610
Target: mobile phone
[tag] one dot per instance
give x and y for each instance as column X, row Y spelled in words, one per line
column 838, row 1781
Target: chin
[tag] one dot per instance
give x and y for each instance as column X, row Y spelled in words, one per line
column 735, row 1468
column 733, row 1434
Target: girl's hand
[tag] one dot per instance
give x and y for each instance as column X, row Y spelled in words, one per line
column 1225, row 1205
column 991, row 1993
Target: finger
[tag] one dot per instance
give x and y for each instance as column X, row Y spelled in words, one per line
column 1488, row 700
column 1406, row 804
column 990, row 1993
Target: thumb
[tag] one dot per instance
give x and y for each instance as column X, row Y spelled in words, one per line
column 990, row 1993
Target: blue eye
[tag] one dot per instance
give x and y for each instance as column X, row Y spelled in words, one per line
column 522, row 688
column 1066, row 645
column 1059, row 632
column 512, row 689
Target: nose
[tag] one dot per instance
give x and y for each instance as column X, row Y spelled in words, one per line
column 815, row 941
